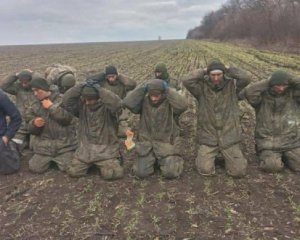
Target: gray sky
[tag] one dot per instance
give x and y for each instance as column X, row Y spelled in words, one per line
column 61, row 21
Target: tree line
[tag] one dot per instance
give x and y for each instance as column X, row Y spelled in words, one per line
column 262, row 21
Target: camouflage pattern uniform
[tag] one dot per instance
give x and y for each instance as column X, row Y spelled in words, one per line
column 157, row 140
column 55, row 74
column 277, row 132
column 24, row 98
column 121, row 87
column 97, row 134
column 218, row 120
column 56, row 141
column 162, row 68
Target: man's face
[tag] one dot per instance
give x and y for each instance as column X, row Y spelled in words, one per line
column 25, row 83
column 40, row 94
column 158, row 75
column 155, row 98
column 280, row 89
column 216, row 78
column 91, row 102
column 112, row 78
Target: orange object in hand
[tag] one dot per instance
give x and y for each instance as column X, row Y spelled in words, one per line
column 47, row 103
column 129, row 142
column 39, row 122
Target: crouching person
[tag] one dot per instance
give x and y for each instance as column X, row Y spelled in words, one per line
column 53, row 127
column 159, row 107
column 277, row 134
column 97, row 110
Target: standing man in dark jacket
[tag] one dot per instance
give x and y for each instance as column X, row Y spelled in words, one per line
column 120, row 85
column 159, row 107
column 216, row 90
column 8, row 109
column 9, row 153
column 277, row 107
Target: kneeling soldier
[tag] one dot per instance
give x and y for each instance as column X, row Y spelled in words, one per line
column 277, row 107
column 97, row 109
column 53, row 127
column 159, row 107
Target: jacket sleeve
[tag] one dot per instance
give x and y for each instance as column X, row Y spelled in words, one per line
column 253, row 92
column 178, row 102
column 60, row 115
column 175, row 83
column 242, row 78
column 32, row 129
column 134, row 100
column 295, row 84
column 191, row 82
column 30, row 115
column 71, row 99
column 15, row 117
column 9, row 85
column 100, row 78
column 110, row 100
column 129, row 83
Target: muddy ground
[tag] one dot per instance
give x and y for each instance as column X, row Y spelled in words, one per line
column 55, row 206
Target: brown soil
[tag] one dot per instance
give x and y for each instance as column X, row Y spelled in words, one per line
column 55, row 206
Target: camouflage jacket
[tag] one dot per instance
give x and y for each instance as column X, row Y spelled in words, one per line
column 121, row 87
column 24, row 98
column 55, row 72
column 59, row 134
column 97, row 133
column 218, row 109
column 277, row 117
column 158, row 127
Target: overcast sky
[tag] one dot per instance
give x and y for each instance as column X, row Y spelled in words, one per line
column 62, row 21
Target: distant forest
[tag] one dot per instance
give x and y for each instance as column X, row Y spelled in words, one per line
column 258, row 21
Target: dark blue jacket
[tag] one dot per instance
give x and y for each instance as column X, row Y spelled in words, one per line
column 8, row 109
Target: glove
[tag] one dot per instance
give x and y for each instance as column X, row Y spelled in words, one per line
column 39, row 122
column 166, row 86
column 47, row 103
column 91, row 82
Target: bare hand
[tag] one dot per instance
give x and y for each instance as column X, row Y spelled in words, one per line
column 39, row 122
column 47, row 103
column 5, row 140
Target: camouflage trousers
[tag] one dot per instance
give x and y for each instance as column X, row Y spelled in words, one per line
column 109, row 169
column 22, row 137
column 170, row 166
column 41, row 163
column 271, row 161
column 235, row 162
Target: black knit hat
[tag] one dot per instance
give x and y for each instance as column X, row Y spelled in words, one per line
column 40, row 83
column 279, row 77
column 109, row 70
column 215, row 64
